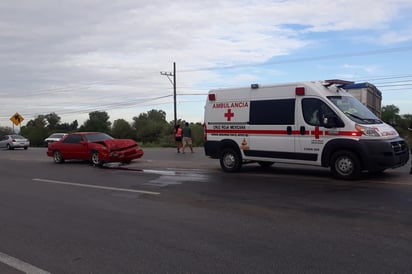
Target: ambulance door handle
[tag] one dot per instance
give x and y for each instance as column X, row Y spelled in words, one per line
column 289, row 130
column 302, row 130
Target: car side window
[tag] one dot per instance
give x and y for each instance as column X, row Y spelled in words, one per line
column 315, row 110
column 73, row 139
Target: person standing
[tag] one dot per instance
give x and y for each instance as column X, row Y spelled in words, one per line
column 178, row 137
column 187, row 137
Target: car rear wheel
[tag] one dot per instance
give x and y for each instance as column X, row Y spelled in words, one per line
column 94, row 158
column 57, row 157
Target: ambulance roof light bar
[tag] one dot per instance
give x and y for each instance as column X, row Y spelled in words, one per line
column 336, row 82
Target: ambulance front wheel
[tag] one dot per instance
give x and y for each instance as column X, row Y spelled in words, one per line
column 345, row 165
column 230, row 160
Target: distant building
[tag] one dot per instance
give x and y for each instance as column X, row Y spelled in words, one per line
column 367, row 94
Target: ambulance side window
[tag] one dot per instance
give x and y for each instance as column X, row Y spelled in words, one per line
column 315, row 110
column 272, row 112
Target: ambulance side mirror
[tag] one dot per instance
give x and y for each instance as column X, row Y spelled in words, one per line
column 332, row 121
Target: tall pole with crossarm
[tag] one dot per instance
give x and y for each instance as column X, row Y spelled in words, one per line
column 168, row 74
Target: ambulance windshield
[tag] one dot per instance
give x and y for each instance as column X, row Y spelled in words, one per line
column 355, row 110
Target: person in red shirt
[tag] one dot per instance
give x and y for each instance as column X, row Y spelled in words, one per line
column 178, row 137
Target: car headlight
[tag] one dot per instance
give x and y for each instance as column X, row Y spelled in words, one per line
column 367, row 131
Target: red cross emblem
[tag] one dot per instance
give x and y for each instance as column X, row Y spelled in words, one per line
column 229, row 114
column 317, row 132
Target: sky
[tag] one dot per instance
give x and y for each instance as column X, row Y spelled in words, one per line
column 78, row 56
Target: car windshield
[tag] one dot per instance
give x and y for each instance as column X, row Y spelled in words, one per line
column 354, row 109
column 17, row 137
column 95, row 137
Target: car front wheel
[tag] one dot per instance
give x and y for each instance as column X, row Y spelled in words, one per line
column 95, row 159
column 57, row 157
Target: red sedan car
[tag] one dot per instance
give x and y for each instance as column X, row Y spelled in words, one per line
column 97, row 147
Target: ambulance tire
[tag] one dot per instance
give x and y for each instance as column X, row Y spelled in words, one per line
column 345, row 165
column 230, row 160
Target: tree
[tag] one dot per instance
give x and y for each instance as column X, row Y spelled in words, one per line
column 53, row 120
column 36, row 131
column 151, row 126
column 123, row 130
column 390, row 115
column 98, row 121
column 5, row 131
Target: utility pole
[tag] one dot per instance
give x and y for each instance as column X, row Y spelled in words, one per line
column 168, row 74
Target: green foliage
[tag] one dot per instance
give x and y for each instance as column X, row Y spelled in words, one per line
column 39, row 122
column 98, row 121
column 123, row 130
column 151, row 126
column 5, row 130
column 197, row 134
column 35, row 130
column 52, row 120
column 390, row 114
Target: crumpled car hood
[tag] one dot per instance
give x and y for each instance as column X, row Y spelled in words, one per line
column 118, row 144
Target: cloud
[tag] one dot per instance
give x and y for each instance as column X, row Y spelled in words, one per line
column 80, row 55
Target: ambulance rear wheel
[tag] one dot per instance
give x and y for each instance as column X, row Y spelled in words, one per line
column 230, row 160
column 345, row 165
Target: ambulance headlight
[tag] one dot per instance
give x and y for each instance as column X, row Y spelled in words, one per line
column 367, row 131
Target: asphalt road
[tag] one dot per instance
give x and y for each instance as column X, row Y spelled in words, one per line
column 174, row 213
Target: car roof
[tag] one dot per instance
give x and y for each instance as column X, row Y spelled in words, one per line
column 88, row 132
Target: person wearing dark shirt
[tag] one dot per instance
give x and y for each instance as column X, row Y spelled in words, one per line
column 187, row 138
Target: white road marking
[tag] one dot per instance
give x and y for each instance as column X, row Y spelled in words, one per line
column 160, row 172
column 20, row 265
column 96, row 187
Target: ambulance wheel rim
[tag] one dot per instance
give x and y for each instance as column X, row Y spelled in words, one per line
column 229, row 160
column 346, row 165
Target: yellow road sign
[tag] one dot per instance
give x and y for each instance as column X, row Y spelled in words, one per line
column 16, row 119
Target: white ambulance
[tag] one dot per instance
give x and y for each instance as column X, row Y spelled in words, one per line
column 312, row 123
